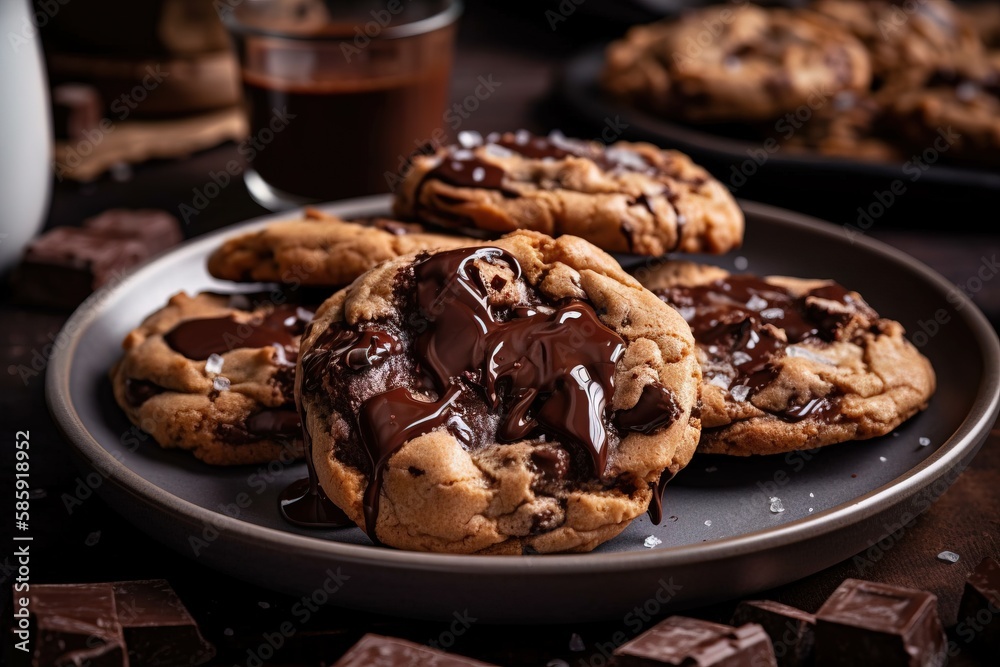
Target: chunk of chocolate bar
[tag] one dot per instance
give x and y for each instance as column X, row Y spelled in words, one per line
column 77, row 109
column 76, row 624
column 64, row 265
column 792, row 631
column 157, row 230
column 688, row 642
column 159, row 631
column 979, row 612
column 864, row 623
column 378, row 651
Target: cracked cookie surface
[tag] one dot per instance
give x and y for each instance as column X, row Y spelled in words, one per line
column 792, row 364
column 522, row 396
column 214, row 374
column 321, row 250
column 626, row 197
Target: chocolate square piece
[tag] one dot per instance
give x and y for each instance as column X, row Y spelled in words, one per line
column 378, row 651
column 157, row 230
column 679, row 641
column 63, row 266
column 159, row 631
column 864, row 623
column 979, row 612
column 792, row 631
column 76, row 624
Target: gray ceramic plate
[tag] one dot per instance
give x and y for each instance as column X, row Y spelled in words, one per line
column 720, row 539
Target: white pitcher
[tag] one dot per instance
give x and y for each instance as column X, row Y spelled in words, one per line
column 25, row 131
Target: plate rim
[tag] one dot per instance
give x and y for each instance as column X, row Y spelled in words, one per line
column 720, row 147
column 967, row 437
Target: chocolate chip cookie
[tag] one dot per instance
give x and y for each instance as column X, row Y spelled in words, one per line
column 953, row 112
column 214, row 374
column 522, row 396
column 734, row 63
column 905, row 36
column 850, row 126
column 320, row 250
column 627, row 197
column 791, row 364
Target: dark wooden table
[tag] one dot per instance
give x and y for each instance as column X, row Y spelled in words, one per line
column 89, row 542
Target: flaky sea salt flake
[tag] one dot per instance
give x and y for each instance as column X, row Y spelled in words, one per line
column 214, row 364
column 948, row 556
column 776, row 506
column 651, row 541
column 221, row 383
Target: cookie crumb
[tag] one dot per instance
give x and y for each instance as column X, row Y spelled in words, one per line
column 576, row 643
column 651, row 541
column 948, row 556
column 776, row 506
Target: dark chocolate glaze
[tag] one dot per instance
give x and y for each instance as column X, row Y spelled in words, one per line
column 655, row 509
column 275, row 422
column 655, row 409
column 203, row 337
column 138, row 392
column 304, row 502
column 738, row 323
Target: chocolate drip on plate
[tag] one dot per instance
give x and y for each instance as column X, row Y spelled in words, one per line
column 655, row 510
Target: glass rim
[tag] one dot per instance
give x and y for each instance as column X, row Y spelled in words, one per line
column 447, row 16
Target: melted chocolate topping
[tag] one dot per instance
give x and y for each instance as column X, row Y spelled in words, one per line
column 655, row 408
column 738, row 323
column 655, row 510
column 203, row 337
column 276, row 422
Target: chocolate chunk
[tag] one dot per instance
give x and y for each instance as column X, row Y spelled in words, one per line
column 157, row 230
column 979, row 612
column 63, row 266
column 76, row 624
column 201, row 338
column 792, row 631
column 680, row 641
column 159, row 631
column 372, row 650
column 864, row 623
column 77, row 109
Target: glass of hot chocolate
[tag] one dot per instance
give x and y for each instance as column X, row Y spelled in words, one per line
column 338, row 93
